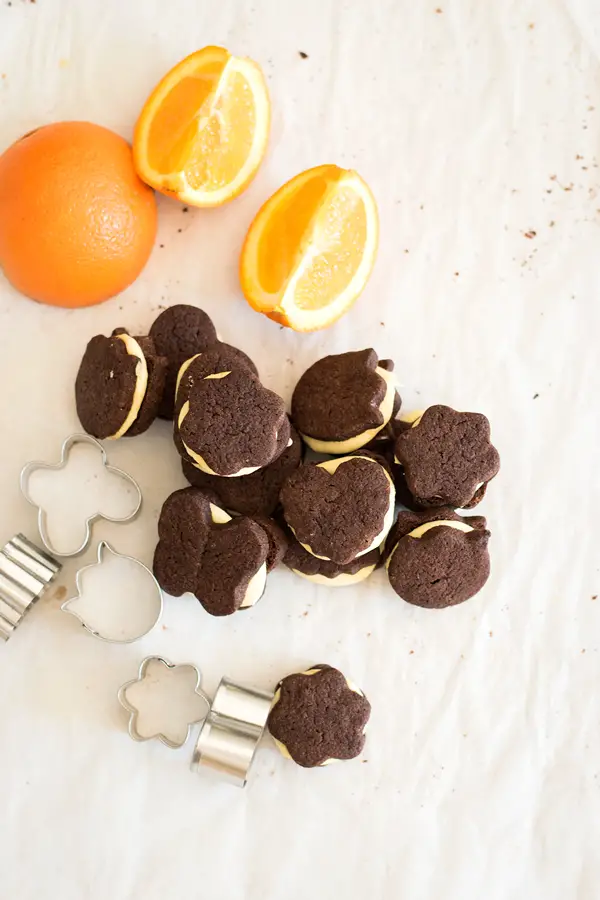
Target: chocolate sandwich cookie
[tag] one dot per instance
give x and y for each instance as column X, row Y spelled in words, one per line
column 343, row 401
column 437, row 558
column 341, row 508
column 230, row 424
column 323, row 571
column 178, row 333
column 319, row 717
column 250, row 495
column 111, row 385
column 203, row 551
column 157, row 373
column 216, row 358
column 447, row 458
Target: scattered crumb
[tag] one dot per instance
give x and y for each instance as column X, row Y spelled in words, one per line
column 272, row 772
column 365, row 760
column 594, row 596
column 422, row 206
column 552, row 223
column 407, row 251
column 382, row 323
column 583, row 651
column 305, row 613
column 369, row 633
column 410, row 652
column 491, row 634
column 531, row 26
column 439, row 11
column 164, row 627
column 579, row 156
column 553, row 177
column 535, row 396
column 457, row 274
column 60, row 593
column 180, row 230
column 185, row 209
column 465, row 733
column 161, row 246
column 529, row 234
column 302, row 54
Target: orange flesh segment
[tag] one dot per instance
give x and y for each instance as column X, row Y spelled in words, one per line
column 175, row 122
column 343, row 235
column 219, row 151
column 285, row 230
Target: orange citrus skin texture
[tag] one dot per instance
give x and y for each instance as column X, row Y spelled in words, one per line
column 77, row 224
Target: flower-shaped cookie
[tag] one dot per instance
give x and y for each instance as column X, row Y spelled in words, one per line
column 229, row 424
column 447, row 457
column 319, row 717
column 201, row 550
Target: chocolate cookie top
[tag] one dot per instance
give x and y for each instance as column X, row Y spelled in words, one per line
column 202, row 551
column 343, row 397
column 110, row 385
column 323, row 571
column 437, row 561
column 230, row 424
column 317, row 717
column 251, row 495
column 447, row 457
column 178, row 333
column 216, row 358
column 341, row 508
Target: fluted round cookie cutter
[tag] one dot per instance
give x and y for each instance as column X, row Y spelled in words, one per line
column 25, row 573
column 231, row 729
column 71, row 441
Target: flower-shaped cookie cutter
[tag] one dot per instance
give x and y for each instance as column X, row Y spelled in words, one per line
column 67, row 446
column 231, row 730
column 154, row 603
column 134, row 711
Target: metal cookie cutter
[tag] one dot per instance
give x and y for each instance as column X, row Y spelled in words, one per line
column 121, row 630
column 231, row 729
column 67, row 446
column 25, row 573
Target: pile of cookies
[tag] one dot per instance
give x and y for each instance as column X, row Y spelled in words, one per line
column 254, row 501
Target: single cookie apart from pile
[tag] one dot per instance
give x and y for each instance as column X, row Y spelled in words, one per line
column 119, row 385
column 227, row 422
column 343, row 401
column 447, row 458
column 437, row 558
column 203, row 551
column 339, row 509
column 250, row 495
column 319, row 717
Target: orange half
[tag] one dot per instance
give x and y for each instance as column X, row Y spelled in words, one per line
column 311, row 248
column 203, row 131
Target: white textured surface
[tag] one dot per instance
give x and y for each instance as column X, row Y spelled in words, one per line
column 482, row 780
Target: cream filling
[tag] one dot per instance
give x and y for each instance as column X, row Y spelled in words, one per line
column 344, row 579
column 386, row 407
column 256, row 585
column 141, row 384
column 427, row 526
column 281, row 746
column 331, row 465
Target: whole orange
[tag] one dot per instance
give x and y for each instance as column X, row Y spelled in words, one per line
column 77, row 225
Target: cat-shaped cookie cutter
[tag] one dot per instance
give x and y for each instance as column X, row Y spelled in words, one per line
column 231, row 729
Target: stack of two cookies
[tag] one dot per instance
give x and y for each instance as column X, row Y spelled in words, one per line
column 340, row 510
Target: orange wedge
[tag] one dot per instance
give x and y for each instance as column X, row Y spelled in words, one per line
column 203, row 131
column 311, row 248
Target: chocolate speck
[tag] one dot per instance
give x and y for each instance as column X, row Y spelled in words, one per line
column 185, row 209
column 530, row 234
column 594, row 596
column 302, row 54
column 535, row 396
column 180, row 230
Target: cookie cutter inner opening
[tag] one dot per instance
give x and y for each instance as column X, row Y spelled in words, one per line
column 77, row 491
